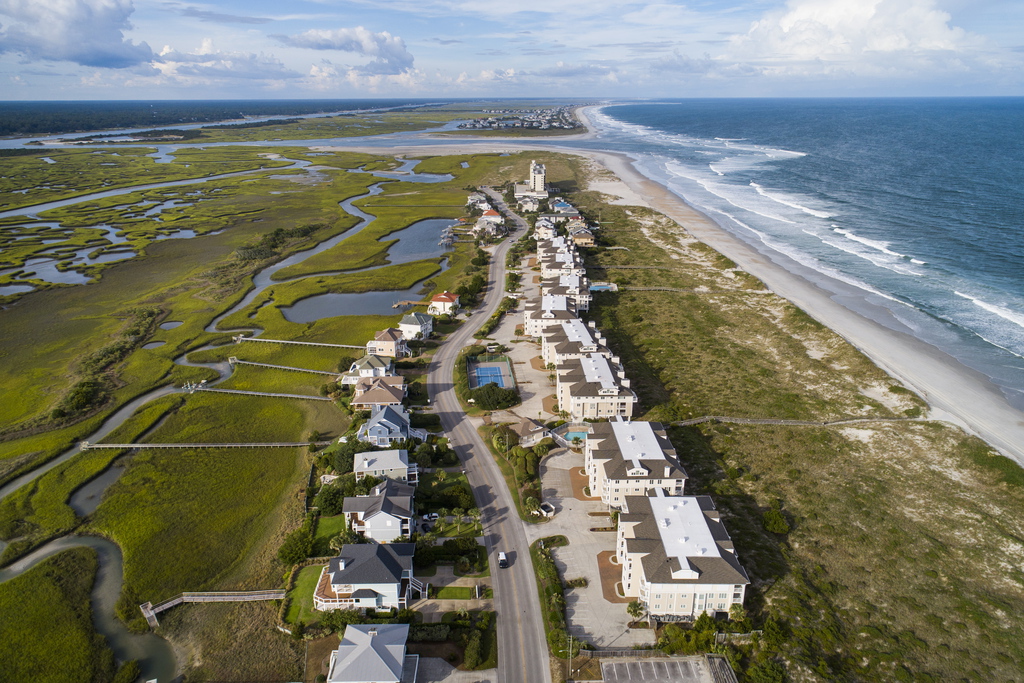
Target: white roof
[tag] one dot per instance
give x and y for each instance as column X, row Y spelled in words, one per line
column 684, row 530
column 570, row 281
column 597, row 369
column 577, row 331
column 554, row 302
column 394, row 459
column 637, row 441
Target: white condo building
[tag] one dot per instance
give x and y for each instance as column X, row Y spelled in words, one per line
column 631, row 459
column 590, row 388
column 538, row 177
column 676, row 556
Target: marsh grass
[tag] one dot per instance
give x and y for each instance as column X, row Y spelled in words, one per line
column 46, row 634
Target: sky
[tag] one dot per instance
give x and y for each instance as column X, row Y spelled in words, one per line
column 337, row 49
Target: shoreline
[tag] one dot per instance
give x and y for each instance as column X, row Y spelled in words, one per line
column 954, row 393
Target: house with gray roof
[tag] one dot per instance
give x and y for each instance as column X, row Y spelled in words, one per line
column 676, row 556
column 624, row 458
column 368, row 575
column 369, row 365
column 416, row 323
column 392, row 464
column 373, row 652
column 387, row 425
column 385, row 514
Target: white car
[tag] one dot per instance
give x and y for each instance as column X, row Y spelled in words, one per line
column 431, row 517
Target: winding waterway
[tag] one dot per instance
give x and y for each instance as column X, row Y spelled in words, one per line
column 154, row 654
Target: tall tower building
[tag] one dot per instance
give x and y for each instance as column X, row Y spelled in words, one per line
column 538, row 177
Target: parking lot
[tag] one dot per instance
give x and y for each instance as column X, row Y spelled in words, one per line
column 690, row 670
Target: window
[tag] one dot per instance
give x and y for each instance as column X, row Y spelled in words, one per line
column 721, row 605
column 723, row 596
column 658, row 596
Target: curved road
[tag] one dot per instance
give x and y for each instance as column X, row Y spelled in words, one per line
column 522, row 648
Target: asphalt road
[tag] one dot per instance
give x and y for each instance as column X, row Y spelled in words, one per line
column 522, row 648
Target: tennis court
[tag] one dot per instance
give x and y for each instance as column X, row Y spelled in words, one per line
column 491, row 372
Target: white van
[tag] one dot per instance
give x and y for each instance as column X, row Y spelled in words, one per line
column 502, row 560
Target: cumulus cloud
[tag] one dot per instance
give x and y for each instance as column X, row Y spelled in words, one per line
column 387, row 52
column 86, row 32
column 868, row 32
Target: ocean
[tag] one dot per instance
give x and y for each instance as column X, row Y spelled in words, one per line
column 914, row 205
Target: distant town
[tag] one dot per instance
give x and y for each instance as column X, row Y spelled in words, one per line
column 540, row 119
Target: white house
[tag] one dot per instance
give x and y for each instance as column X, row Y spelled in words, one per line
column 383, row 515
column 676, row 556
column 373, row 652
column 631, row 459
column 416, row 326
column 443, row 303
column 368, row 366
column 391, row 464
column 370, row 575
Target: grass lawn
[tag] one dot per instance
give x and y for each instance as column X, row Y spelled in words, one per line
column 451, row 530
column 301, row 607
column 326, row 529
column 46, row 633
column 455, row 593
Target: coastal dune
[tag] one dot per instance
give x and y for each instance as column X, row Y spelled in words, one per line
column 954, row 392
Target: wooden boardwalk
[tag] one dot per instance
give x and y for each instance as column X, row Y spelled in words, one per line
column 235, row 361
column 241, row 338
column 149, row 610
column 793, row 423
column 86, row 446
column 261, row 393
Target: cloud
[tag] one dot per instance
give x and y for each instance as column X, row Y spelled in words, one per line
column 563, row 70
column 863, row 35
column 86, row 32
column 388, row 52
column 217, row 17
column 208, row 65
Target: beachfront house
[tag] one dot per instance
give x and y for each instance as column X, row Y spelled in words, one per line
column 373, row 653
column 416, row 325
column 444, row 303
column 389, row 425
column 677, row 558
column 391, row 464
column 385, row 514
column 631, row 458
column 389, row 343
column 368, row 575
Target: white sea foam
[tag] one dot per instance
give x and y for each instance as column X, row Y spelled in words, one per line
column 719, row 190
column 787, row 201
column 803, row 258
column 877, row 259
column 1003, row 312
column 874, row 244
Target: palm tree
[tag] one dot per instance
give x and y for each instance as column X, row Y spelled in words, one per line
column 442, row 516
column 458, row 513
column 475, row 514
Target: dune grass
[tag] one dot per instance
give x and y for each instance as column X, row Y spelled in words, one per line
column 46, row 634
column 900, row 564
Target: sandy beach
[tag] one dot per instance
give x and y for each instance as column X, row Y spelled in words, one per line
column 954, row 392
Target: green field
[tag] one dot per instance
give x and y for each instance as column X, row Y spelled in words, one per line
column 46, row 634
column 301, row 607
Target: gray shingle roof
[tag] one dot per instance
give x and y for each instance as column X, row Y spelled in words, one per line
column 371, row 563
column 370, row 652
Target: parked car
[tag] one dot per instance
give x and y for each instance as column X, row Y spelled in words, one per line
column 431, row 517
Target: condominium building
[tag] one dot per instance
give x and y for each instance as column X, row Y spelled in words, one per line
column 676, row 556
column 571, row 339
column 631, row 458
column 539, row 314
column 592, row 388
column 576, row 287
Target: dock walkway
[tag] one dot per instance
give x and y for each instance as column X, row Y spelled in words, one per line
column 238, row 339
column 149, row 610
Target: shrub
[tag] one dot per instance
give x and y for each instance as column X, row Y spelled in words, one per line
column 296, row 547
column 492, row 397
column 471, row 658
column 775, row 522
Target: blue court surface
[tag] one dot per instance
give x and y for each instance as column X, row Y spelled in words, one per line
column 486, row 375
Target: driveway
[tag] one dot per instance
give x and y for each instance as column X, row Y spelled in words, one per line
column 436, row 670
